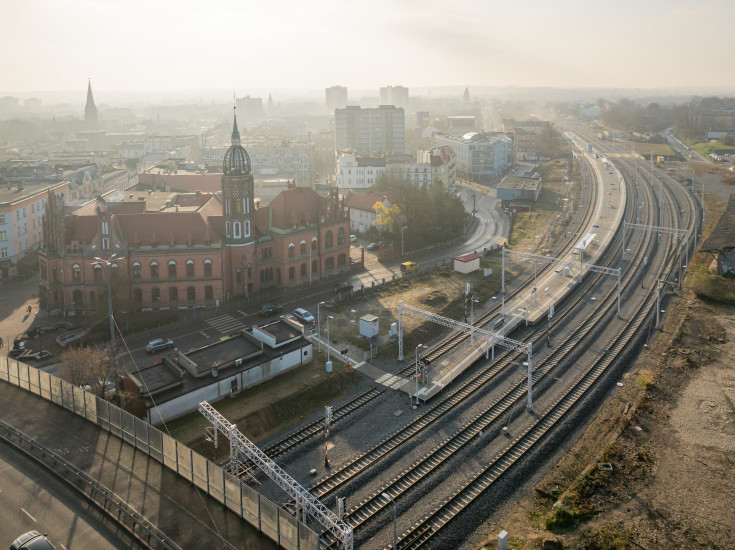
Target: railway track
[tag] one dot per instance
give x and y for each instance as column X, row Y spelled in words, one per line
column 433, row 523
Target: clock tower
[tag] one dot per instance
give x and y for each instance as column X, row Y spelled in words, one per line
column 237, row 210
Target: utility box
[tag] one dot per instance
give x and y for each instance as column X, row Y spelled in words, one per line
column 369, row 326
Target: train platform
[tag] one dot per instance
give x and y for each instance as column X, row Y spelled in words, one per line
column 533, row 306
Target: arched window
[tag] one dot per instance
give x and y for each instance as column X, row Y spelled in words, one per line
column 77, row 298
column 172, row 269
column 303, row 270
column 291, row 250
column 328, row 239
column 207, row 268
column 341, row 236
column 136, row 271
column 173, row 295
column 291, row 273
column 236, row 233
column 227, row 229
column 154, row 270
column 329, row 264
column 191, row 294
column 105, row 244
column 314, row 268
column 190, row 269
column 341, row 260
column 314, row 241
column 302, row 248
column 76, row 274
column 97, row 273
column 247, row 228
column 156, row 296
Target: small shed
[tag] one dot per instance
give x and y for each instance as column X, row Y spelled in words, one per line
column 467, row 263
column 369, row 326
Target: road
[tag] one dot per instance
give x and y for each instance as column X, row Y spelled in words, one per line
column 34, row 499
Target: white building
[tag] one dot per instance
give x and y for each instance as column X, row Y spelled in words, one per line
column 437, row 164
column 370, row 131
column 357, row 171
column 480, row 156
column 394, row 95
column 362, row 215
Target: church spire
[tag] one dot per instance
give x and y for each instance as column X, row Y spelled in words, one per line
column 90, row 109
column 235, row 132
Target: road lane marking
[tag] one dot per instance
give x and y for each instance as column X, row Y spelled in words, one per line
column 203, row 334
column 29, row 515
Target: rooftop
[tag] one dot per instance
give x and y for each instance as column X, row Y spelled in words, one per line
column 11, row 194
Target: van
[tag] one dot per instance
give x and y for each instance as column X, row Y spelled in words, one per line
column 409, row 266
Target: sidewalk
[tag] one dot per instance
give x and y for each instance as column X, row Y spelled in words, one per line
column 15, row 297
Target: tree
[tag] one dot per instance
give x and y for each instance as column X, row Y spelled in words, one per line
column 387, row 216
column 94, row 366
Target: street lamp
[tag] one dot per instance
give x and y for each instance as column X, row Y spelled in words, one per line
column 108, row 262
column 386, row 495
column 402, row 230
column 319, row 324
column 416, row 366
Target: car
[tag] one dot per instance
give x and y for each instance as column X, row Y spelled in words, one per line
column 353, row 238
column 158, row 344
column 32, row 540
column 373, row 246
column 70, row 337
column 409, row 266
column 270, row 309
column 303, row 316
column 343, row 287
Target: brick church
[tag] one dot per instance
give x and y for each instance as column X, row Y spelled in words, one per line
column 171, row 250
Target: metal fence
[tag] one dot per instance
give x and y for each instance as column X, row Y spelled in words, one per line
column 246, row 502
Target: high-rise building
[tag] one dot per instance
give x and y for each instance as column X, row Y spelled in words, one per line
column 90, row 109
column 370, row 131
column 394, row 95
column 336, row 98
column 251, row 109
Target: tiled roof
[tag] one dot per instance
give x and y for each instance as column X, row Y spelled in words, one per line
column 364, row 202
column 161, row 227
column 297, row 206
column 466, row 257
column 80, row 228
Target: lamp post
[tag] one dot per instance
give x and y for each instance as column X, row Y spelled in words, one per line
column 319, row 324
column 108, row 262
column 416, row 365
column 402, row 230
column 386, row 495
column 474, row 300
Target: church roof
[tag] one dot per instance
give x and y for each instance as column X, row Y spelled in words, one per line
column 237, row 160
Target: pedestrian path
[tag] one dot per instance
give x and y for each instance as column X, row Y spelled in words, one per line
column 225, row 324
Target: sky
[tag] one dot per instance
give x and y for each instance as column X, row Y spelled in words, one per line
column 163, row 45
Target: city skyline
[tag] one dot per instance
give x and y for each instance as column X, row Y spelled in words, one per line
column 286, row 45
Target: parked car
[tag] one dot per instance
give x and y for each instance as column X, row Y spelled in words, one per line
column 373, row 246
column 70, row 337
column 343, row 287
column 303, row 316
column 353, row 238
column 409, row 266
column 158, row 344
column 270, row 309
column 32, row 540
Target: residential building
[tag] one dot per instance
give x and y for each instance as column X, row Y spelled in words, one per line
column 480, row 156
column 394, row 95
column 529, row 137
column 524, row 184
column 179, row 250
column 21, row 221
column 370, row 131
column 438, row 164
column 251, row 108
column 336, row 98
column 362, row 215
column 358, row 171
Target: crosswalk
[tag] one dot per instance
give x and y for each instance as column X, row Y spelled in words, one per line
column 225, row 324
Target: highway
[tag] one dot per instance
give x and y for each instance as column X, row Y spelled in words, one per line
column 33, row 499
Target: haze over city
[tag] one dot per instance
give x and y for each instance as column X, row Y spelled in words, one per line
column 289, row 45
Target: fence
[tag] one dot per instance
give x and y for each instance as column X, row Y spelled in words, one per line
column 246, row 502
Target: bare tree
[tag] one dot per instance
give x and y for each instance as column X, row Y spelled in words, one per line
column 94, row 366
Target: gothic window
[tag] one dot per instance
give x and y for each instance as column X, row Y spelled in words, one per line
column 207, row 268
column 172, row 269
column 291, row 249
column 341, row 236
column 155, row 296
column 328, row 239
column 303, row 270
column 105, row 228
column 291, row 273
column 154, row 270
column 302, row 248
column 227, row 229
column 313, row 244
column 76, row 273
column 190, row 269
column 105, row 244
column 236, row 233
column 136, row 271
column 247, row 228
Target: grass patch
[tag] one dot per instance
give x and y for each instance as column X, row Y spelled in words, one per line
column 713, row 147
column 712, row 288
column 658, row 149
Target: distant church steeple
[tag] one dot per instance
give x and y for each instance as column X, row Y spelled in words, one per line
column 270, row 103
column 90, row 109
column 466, row 95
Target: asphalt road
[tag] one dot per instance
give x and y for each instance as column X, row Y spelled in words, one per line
column 33, row 499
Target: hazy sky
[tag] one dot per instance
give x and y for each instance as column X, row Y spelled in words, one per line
column 163, row 45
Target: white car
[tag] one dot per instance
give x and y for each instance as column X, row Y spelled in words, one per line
column 353, row 238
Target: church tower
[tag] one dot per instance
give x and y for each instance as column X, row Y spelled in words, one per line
column 90, row 109
column 237, row 209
